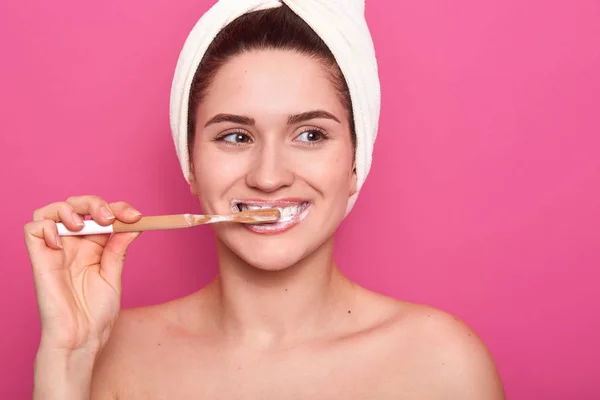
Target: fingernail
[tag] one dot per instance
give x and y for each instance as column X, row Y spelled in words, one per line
column 133, row 212
column 106, row 213
column 77, row 219
column 59, row 242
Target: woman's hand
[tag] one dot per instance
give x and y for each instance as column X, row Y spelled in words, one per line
column 78, row 278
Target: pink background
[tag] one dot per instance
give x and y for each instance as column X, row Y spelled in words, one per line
column 488, row 155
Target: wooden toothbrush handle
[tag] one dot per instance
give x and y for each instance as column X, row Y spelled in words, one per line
column 161, row 222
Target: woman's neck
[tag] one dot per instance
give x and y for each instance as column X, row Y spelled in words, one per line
column 273, row 308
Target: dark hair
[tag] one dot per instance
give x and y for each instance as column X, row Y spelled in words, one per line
column 276, row 28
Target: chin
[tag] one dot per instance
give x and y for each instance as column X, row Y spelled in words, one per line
column 272, row 254
column 269, row 252
column 271, row 261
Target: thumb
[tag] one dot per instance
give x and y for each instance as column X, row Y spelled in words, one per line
column 113, row 258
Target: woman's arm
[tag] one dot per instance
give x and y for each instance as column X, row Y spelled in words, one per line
column 63, row 375
column 78, row 289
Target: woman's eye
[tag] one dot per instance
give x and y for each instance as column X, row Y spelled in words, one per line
column 236, row 137
column 311, row 136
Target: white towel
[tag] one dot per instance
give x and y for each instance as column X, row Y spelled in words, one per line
column 340, row 24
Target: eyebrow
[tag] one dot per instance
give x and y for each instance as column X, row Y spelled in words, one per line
column 236, row 119
column 305, row 116
column 292, row 119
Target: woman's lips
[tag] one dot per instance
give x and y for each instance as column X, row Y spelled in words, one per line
column 279, row 227
column 287, row 207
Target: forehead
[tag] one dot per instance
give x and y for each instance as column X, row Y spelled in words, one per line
column 275, row 81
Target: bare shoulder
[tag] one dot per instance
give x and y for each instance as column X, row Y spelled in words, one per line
column 444, row 354
column 131, row 348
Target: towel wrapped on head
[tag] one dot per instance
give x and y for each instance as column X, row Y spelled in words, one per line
column 339, row 23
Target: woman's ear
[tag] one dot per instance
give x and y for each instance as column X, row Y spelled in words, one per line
column 192, row 181
column 353, row 182
column 193, row 189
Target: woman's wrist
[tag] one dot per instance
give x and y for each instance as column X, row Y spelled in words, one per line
column 63, row 374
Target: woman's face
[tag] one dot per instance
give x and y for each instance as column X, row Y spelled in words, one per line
column 272, row 132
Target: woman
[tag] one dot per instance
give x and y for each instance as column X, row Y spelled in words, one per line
column 270, row 123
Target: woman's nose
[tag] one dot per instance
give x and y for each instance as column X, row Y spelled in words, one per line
column 270, row 170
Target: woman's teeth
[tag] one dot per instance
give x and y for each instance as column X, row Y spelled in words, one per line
column 287, row 213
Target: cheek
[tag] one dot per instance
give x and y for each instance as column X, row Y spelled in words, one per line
column 330, row 171
column 216, row 170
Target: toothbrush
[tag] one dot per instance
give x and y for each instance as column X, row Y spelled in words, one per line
column 178, row 221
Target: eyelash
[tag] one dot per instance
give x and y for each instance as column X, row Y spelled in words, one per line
column 221, row 137
column 324, row 136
